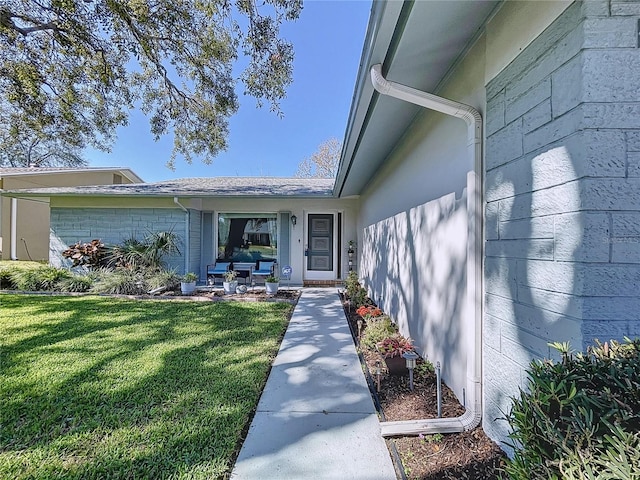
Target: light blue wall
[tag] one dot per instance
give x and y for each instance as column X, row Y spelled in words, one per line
column 113, row 226
column 562, row 203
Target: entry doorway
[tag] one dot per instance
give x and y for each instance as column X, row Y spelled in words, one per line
column 320, row 262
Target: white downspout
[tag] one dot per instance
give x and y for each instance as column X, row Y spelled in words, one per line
column 473, row 414
column 13, row 252
column 187, row 239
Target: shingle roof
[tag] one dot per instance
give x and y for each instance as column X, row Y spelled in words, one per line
column 13, row 171
column 197, row 187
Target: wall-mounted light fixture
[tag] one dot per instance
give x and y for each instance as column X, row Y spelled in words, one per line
column 294, row 220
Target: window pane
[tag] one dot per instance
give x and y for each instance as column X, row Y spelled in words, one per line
column 247, row 237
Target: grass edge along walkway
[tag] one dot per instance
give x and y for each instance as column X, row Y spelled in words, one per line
column 94, row 387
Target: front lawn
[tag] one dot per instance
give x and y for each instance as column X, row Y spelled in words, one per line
column 103, row 388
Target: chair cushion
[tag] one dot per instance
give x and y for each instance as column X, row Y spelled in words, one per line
column 219, row 267
column 265, row 266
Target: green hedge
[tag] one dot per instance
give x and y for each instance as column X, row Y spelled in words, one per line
column 579, row 418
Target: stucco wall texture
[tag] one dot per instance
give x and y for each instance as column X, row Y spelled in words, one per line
column 562, row 192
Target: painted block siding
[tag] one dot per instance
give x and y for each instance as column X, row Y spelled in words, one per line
column 562, row 252
column 415, row 266
column 112, row 226
column 195, row 243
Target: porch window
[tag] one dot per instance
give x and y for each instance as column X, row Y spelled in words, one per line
column 247, row 237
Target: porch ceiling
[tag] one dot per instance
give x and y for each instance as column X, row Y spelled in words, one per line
column 417, row 43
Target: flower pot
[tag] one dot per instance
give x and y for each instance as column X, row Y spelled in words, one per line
column 230, row 287
column 396, row 366
column 187, row 288
column 271, row 288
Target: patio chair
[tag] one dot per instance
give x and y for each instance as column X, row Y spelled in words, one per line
column 245, row 271
column 217, row 270
column 265, row 268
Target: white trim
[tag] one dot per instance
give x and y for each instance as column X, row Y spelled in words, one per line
column 14, row 229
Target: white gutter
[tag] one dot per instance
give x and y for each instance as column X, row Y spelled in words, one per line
column 14, row 229
column 187, row 251
column 473, row 329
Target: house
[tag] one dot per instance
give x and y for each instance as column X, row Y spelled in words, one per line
column 490, row 176
column 297, row 222
column 495, row 151
column 24, row 222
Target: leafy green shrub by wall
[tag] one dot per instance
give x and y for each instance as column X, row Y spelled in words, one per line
column 76, row 284
column 42, row 278
column 377, row 330
column 580, row 418
column 121, row 281
column 356, row 293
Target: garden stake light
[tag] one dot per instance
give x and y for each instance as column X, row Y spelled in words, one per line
column 359, row 328
column 439, row 390
column 378, row 374
column 410, row 358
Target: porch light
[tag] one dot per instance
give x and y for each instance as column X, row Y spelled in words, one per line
column 410, row 358
column 294, row 220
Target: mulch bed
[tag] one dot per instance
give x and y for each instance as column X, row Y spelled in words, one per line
column 469, row 455
column 252, row 295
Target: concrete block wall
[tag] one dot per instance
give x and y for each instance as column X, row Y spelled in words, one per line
column 562, row 192
column 195, row 242
column 113, row 226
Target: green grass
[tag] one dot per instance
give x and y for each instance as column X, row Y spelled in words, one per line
column 108, row 388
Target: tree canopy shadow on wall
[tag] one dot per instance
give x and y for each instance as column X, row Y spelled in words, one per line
column 414, row 265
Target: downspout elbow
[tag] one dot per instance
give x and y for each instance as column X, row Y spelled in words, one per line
column 467, row 113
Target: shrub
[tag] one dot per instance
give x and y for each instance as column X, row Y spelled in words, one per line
column 351, row 282
column 6, row 278
column 394, row 346
column 49, row 277
column 369, row 311
column 42, row 278
column 580, row 417
column 122, row 281
column 377, row 330
column 76, row 283
column 91, row 254
column 149, row 253
column 163, row 278
column 356, row 293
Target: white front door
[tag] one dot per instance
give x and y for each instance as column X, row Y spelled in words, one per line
column 320, row 251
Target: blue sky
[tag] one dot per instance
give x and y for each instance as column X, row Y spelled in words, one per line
column 328, row 39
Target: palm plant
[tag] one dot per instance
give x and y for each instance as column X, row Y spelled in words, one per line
column 134, row 254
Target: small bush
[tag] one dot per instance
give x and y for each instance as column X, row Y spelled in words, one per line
column 164, row 278
column 377, row 330
column 6, row 278
column 121, row 281
column 91, row 254
column 49, row 277
column 356, row 293
column 76, row 283
column 43, row 278
column 580, row 418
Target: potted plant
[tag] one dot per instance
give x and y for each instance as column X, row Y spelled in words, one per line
column 391, row 349
column 271, row 284
column 188, row 283
column 230, row 283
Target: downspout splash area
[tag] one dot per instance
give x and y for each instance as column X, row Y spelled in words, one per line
column 473, row 327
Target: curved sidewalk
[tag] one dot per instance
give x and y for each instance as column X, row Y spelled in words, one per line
column 315, row 418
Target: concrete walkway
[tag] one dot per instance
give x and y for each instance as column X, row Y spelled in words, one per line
column 316, row 418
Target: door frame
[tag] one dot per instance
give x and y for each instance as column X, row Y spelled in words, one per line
column 316, row 274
